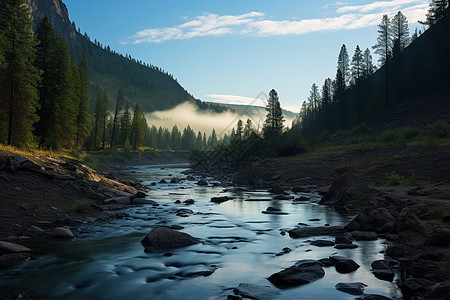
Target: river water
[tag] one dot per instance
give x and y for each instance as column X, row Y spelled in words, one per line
column 239, row 243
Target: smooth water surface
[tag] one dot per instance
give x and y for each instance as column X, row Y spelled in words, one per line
column 239, row 243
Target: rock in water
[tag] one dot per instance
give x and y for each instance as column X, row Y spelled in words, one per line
column 304, row 271
column 346, row 266
column 354, row 288
column 254, row 291
column 336, row 194
column 13, row 259
column 220, row 199
column 62, row 233
column 7, row 247
column 166, row 238
column 322, row 243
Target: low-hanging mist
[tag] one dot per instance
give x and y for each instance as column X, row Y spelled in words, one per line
column 205, row 121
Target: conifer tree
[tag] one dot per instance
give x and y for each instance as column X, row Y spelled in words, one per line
column 213, row 138
column 399, row 31
column 125, row 124
column 119, row 103
column 339, row 95
column 239, row 131
column 199, row 141
column 438, row 9
column 384, row 44
column 248, row 129
column 82, row 114
column 176, row 138
column 314, row 99
column 344, row 64
column 18, row 76
column 137, row 128
column 273, row 124
column 357, row 65
column 367, row 67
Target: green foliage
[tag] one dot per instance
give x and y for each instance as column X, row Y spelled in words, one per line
column 392, row 138
column 273, row 125
column 18, row 76
column 439, row 129
column 80, row 206
column 394, row 179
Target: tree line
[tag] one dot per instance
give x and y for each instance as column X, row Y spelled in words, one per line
column 45, row 97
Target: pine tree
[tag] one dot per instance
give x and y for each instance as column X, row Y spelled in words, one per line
column 273, row 124
column 125, row 124
column 339, row 95
column 248, row 129
column 104, row 119
column 176, row 139
column 18, row 76
column 384, row 44
column 213, row 138
column 199, row 141
column 344, row 64
column 119, row 103
column 82, row 114
column 137, row 128
column 367, row 67
column 239, row 131
column 314, row 99
column 399, row 31
column 438, row 9
column 357, row 65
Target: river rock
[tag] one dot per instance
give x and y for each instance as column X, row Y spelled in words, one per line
column 145, row 201
column 304, row 271
column 202, row 182
column 254, row 291
column 166, row 238
column 273, row 211
column 415, row 286
column 140, row 195
column 327, row 262
column 302, row 199
column 189, row 201
column 364, row 236
column 373, row 297
column 344, row 265
column 346, row 246
column 220, row 199
column 384, row 274
column 384, row 264
column 162, row 181
column 345, row 238
column 184, row 212
column 322, row 243
column 117, row 200
column 315, row 231
column 190, row 178
column 13, row 259
column 354, row 288
column 7, row 247
column 283, row 197
column 336, row 194
column 438, row 237
column 62, row 233
column 175, row 180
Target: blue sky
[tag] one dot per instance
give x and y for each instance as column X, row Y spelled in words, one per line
column 232, row 51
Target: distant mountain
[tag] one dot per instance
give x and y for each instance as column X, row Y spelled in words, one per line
column 149, row 86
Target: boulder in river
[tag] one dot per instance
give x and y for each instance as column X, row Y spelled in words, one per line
column 184, row 212
column 337, row 193
column 189, row 201
column 254, row 291
column 322, row 243
column 354, row 288
column 165, row 238
column 364, row 236
column 384, row 274
column 274, row 211
column 303, row 272
column 202, row 182
column 221, row 199
column 62, row 233
column 344, row 265
column 7, row 247
column 315, row 231
column 12, row 259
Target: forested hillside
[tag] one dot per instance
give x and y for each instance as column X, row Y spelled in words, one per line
column 147, row 85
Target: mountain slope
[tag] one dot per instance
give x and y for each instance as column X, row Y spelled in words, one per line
column 148, row 86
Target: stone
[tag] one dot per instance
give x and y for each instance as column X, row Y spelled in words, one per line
column 283, row 197
column 276, row 212
column 373, row 297
column 166, row 238
column 175, row 180
column 438, row 237
column 322, row 243
column 202, row 182
column 315, row 231
column 415, row 286
column 270, row 208
column 254, row 291
column 190, row 178
column 117, row 200
column 220, row 199
column 346, row 246
column 302, row 199
column 344, row 239
column 354, row 288
column 184, row 212
column 276, row 190
column 327, row 262
column 384, row 264
column 303, row 272
column 62, row 233
column 364, row 236
column 13, row 259
column 139, row 195
column 384, row 274
column 189, row 201
column 145, row 201
column 344, row 265
column 336, row 194
column 162, row 181
column 7, row 247
column 177, row 202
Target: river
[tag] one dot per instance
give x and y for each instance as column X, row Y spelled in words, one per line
column 239, row 244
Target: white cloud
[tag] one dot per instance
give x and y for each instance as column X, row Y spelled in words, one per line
column 254, row 23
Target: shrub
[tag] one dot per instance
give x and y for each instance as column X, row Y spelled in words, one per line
column 439, row 129
column 393, row 179
column 409, row 132
column 392, row 138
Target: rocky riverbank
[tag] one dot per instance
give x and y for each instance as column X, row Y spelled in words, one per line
column 49, row 197
column 414, row 216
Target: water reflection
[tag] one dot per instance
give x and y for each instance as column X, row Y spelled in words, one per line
column 107, row 261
